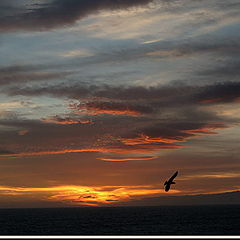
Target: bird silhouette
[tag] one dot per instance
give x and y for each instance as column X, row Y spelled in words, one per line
column 168, row 183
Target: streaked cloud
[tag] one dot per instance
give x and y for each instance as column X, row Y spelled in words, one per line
column 114, row 108
column 127, row 159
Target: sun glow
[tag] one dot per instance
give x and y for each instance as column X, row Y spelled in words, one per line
column 85, row 195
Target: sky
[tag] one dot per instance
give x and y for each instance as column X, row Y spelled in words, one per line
column 101, row 101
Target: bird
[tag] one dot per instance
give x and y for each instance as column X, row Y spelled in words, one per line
column 168, row 183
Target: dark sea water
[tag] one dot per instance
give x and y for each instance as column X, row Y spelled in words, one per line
column 181, row 220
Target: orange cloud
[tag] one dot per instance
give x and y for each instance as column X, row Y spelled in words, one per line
column 140, row 144
column 127, row 159
column 23, row 132
column 98, row 107
column 26, row 154
column 85, row 195
column 65, row 151
column 65, row 121
column 208, row 129
column 112, row 112
column 144, row 139
column 108, row 111
column 212, row 175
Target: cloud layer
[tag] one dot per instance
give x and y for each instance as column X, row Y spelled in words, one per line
column 58, row 13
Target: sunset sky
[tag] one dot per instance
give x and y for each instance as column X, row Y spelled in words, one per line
column 102, row 100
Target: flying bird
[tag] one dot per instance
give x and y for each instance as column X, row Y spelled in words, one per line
column 168, row 183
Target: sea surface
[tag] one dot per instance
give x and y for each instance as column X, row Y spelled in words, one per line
column 165, row 220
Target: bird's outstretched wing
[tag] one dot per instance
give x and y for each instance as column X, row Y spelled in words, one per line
column 173, row 176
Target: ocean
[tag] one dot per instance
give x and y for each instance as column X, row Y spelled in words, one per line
column 164, row 220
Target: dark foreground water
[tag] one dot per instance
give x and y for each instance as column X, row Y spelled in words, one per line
column 187, row 220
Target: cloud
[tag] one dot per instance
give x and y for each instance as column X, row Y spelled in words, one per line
column 136, row 119
column 228, row 69
column 183, row 48
column 104, row 136
column 103, row 92
column 114, row 108
column 127, row 159
column 60, row 13
column 29, row 154
column 220, row 93
column 77, row 53
column 110, row 149
column 159, row 96
column 22, row 132
column 169, row 134
column 17, row 74
column 65, row 120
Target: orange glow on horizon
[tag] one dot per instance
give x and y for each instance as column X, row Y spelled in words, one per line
column 84, row 195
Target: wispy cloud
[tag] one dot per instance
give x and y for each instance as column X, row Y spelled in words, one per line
column 127, row 159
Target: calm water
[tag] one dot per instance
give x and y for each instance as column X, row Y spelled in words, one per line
column 197, row 220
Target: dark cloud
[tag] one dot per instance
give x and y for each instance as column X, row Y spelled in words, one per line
column 65, row 120
column 220, row 93
column 227, row 69
column 59, row 13
column 9, row 8
column 103, row 92
column 160, row 96
column 19, row 74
